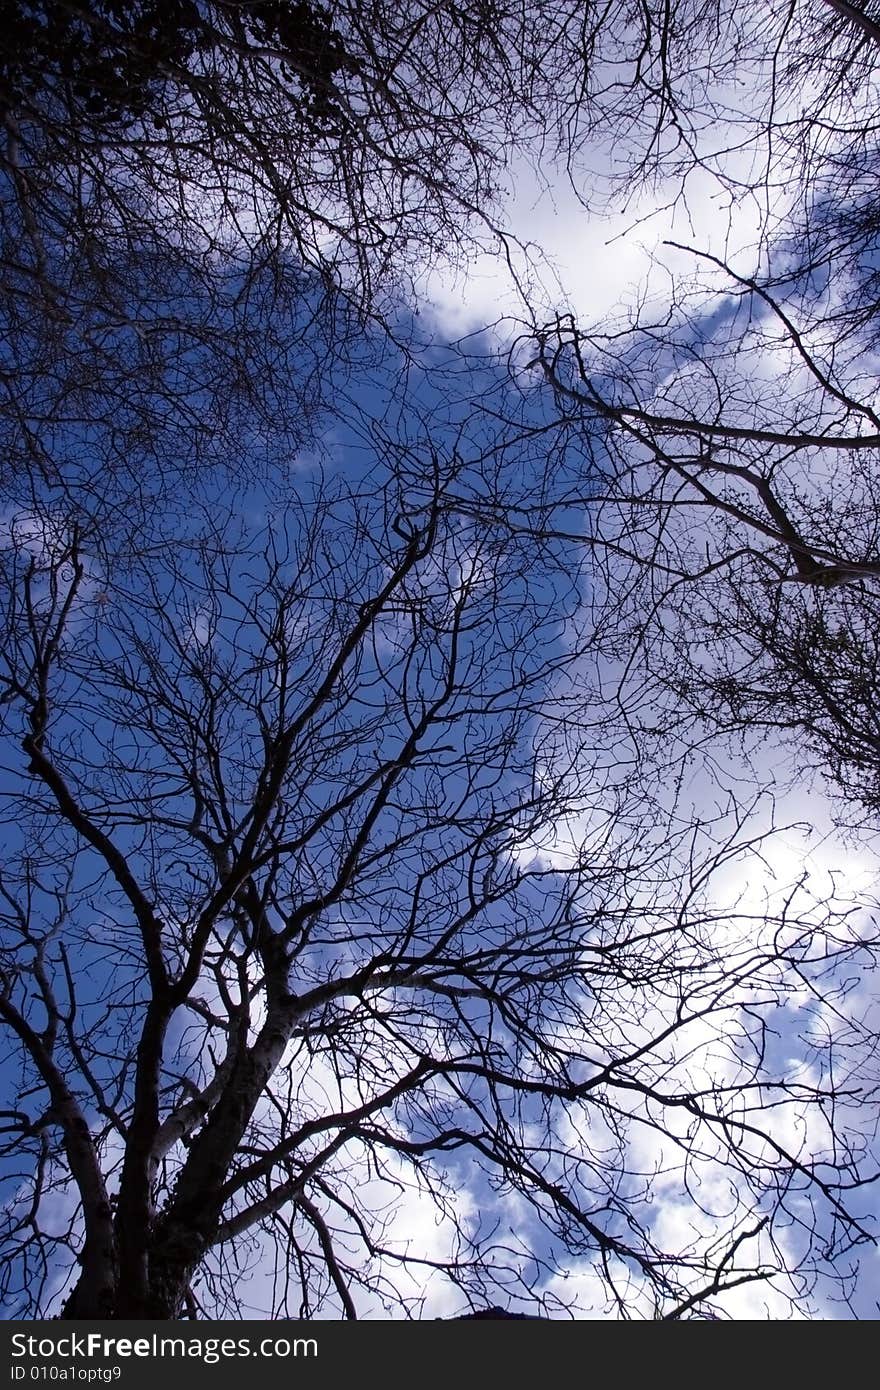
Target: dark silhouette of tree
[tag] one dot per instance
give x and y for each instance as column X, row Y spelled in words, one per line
column 357, row 141
column 278, row 926
column 723, row 462
column 340, row 857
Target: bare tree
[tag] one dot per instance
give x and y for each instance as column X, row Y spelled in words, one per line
column 205, row 210
column 203, row 204
column 722, row 456
column 346, row 136
column 316, row 881
column 330, row 874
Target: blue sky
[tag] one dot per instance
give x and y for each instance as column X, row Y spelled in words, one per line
column 617, row 858
column 222, row 632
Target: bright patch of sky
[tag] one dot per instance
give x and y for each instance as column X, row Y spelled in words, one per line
column 563, row 258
